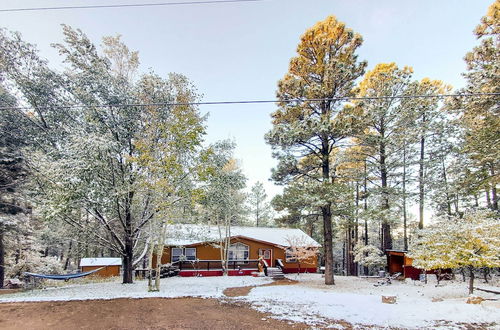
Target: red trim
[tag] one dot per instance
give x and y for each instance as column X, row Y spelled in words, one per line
column 302, row 270
column 242, row 272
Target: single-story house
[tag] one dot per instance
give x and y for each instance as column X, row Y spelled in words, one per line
column 110, row 266
column 195, row 250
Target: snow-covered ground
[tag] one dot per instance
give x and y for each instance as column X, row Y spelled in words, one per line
column 355, row 300
column 358, row 301
column 207, row 287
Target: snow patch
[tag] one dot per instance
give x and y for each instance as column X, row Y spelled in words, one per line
column 206, row 287
column 357, row 301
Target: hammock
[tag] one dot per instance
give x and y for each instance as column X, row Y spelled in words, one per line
column 64, row 277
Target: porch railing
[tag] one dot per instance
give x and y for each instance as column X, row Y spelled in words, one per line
column 217, row 264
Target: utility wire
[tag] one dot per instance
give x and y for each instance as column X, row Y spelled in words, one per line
column 347, row 98
column 158, row 4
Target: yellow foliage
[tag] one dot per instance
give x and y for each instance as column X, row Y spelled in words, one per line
column 378, row 81
column 324, row 67
column 490, row 24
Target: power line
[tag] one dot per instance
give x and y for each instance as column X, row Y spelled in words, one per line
column 158, row 4
column 347, row 98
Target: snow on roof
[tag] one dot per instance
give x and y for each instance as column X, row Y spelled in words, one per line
column 187, row 234
column 100, row 262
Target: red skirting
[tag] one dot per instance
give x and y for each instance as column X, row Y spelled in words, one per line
column 242, row 272
column 414, row 273
column 302, row 270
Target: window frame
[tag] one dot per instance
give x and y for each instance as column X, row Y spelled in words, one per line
column 188, row 258
column 233, row 250
column 182, row 254
column 290, row 259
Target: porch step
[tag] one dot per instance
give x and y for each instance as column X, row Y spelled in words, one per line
column 275, row 272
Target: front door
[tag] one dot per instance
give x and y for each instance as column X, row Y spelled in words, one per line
column 267, row 255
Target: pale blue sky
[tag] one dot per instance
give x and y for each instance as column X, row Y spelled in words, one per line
column 239, row 51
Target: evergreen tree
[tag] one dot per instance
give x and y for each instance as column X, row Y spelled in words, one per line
column 325, row 67
column 259, row 207
column 480, row 117
column 385, row 123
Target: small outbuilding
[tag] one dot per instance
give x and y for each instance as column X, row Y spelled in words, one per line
column 399, row 262
column 110, row 266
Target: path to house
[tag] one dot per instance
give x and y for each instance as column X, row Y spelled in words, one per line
column 242, row 291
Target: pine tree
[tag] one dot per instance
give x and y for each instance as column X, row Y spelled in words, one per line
column 385, row 121
column 259, row 207
column 481, row 116
column 325, row 67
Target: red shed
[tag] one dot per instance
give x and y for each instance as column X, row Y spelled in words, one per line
column 398, row 262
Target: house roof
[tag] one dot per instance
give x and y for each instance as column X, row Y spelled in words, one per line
column 189, row 234
column 100, row 262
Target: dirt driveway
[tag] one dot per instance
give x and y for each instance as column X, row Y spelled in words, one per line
column 150, row 313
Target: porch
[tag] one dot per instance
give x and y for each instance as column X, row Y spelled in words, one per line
column 214, row 267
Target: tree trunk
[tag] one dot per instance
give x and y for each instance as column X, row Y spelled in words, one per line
column 257, row 215
column 326, row 212
column 344, row 262
column 355, row 231
column 150, row 266
column 488, row 198
column 386, row 238
column 455, row 202
column 494, row 202
column 445, row 179
column 486, row 273
column 405, row 220
column 471, row 280
column 159, row 253
column 328, row 245
column 128, row 261
column 421, row 193
column 365, row 208
column 227, row 245
column 2, row 258
column 221, row 246
column 350, row 265
column 66, row 263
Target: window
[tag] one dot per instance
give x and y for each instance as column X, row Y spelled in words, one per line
column 183, row 254
column 290, row 255
column 190, row 253
column 176, row 254
column 238, row 252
